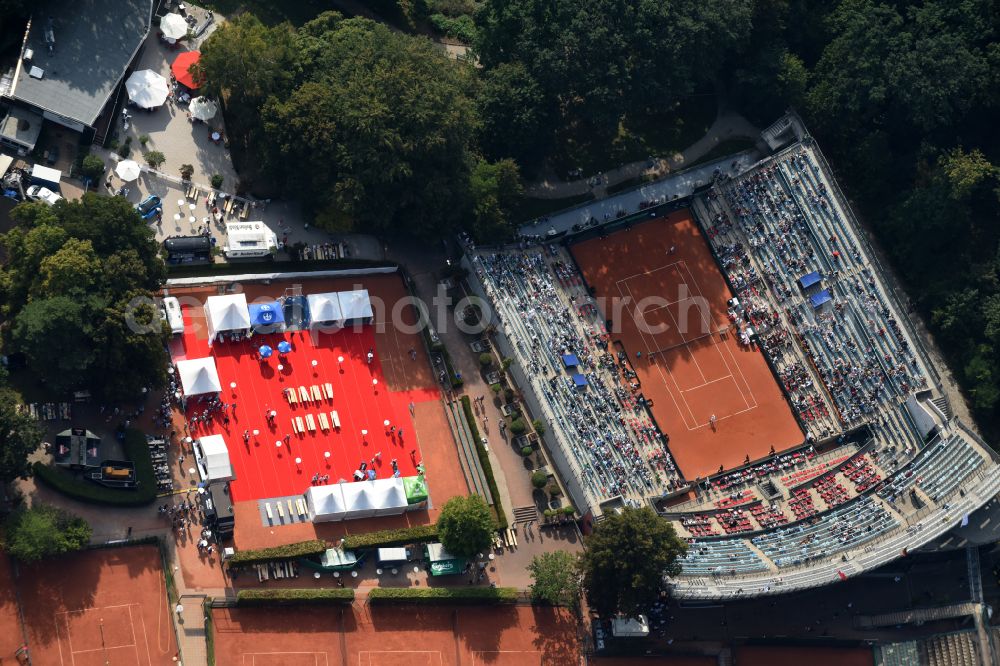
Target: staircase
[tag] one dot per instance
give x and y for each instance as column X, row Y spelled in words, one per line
column 942, row 404
column 525, row 514
column 975, row 573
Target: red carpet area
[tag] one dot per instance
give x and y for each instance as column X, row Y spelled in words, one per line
column 262, row 468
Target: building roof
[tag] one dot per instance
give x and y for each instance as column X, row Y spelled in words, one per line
column 22, row 127
column 95, row 40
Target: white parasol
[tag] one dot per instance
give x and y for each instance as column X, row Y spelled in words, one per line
column 147, row 88
column 173, row 26
column 128, row 170
column 202, row 108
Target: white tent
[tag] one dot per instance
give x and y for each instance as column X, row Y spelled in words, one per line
column 198, row 376
column 226, row 313
column 324, row 309
column 355, row 305
column 357, row 499
column 326, row 503
column 388, row 496
column 214, row 462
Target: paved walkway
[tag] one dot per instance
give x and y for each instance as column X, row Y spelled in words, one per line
column 728, row 125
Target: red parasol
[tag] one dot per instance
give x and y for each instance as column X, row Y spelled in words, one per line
column 181, row 68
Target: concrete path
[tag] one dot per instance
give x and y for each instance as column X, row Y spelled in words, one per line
column 728, row 125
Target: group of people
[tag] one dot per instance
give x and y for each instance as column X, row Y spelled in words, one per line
column 540, row 309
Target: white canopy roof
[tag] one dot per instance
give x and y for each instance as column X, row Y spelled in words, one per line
column 326, row 503
column 388, row 496
column 198, row 376
column 355, row 304
column 358, row 500
column 226, row 313
column 324, row 308
column 216, row 458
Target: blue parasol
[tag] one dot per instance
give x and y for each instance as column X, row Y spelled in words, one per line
column 284, row 347
column 265, row 351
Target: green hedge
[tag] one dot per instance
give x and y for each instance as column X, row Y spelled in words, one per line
column 206, row 606
column 456, row 381
column 135, row 449
column 392, row 538
column 295, row 597
column 434, row 596
column 484, row 461
column 286, row 552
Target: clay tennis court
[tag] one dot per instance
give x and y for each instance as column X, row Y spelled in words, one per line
column 660, row 286
column 364, row 635
column 98, row 607
column 10, row 624
column 365, row 395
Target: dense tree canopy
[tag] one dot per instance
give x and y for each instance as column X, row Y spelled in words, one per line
column 44, row 531
column 627, row 557
column 20, row 436
column 372, row 127
column 555, row 579
column 77, row 291
column 588, row 63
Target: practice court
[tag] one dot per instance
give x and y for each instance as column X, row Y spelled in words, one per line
column 659, row 286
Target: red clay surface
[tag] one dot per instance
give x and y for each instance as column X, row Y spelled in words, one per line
column 264, row 470
column 689, row 370
column 444, row 481
column 10, row 623
column 381, row 636
column 758, row 655
column 98, row 607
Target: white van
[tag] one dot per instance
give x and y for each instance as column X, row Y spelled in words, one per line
column 172, row 313
column 392, row 555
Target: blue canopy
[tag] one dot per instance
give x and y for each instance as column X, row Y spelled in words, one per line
column 821, row 298
column 810, row 279
column 265, row 314
column 284, row 347
column 570, row 360
column 265, row 351
column 580, row 380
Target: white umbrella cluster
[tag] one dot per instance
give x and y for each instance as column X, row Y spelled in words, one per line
column 147, row 88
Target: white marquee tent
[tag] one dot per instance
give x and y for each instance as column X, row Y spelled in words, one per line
column 198, row 376
column 226, row 313
column 324, row 309
column 355, row 305
column 388, row 496
column 357, row 499
column 213, row 463
column 326, row 503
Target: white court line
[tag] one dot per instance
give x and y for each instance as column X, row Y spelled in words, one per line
column 651, row 270
column 735, row 362
column 316, row 655
column 69, row 634
column 371, row 652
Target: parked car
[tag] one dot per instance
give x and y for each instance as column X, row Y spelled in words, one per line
column 39, row 193
column 150, row 207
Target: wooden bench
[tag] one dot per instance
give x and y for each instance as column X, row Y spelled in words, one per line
column 315, row 393
column 328, row 391
column 290, row 395
column 267, row 507
column 303, row 394
column 281, row 511
column 335, row 419
column 324, row 424
column 310, row 423
column 298, row 422
column 295, row 425
column 291, row 509
column 301, row 506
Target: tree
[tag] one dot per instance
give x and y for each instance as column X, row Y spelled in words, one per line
column 155, row 158
column 518, row 118
column 187, row 171
column 58, row 323
column 496, row 190
column 466, row 526
column 628, row 555
column 44, row 531
column 379, row 125
column 92, row 168
column 555, row 579
column 20, row 436
column 967, row 172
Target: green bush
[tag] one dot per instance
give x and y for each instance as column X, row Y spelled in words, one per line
column 486, row 359
column 295, row 597
column 92, row 167
column 187, row 171
column 135, row 449
column 518, row 427
column 217, row 180
column 484, row 461
column 286, row 552
column 539, row 426
column 508, row 394
column 155, row 159
column 539, row 479
column 496, row 388
column 506, row 363
column 462, row 28
column 526, row 450
column 143, row 139
column 434, row 596
column 392, row 538
column 568, row 510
